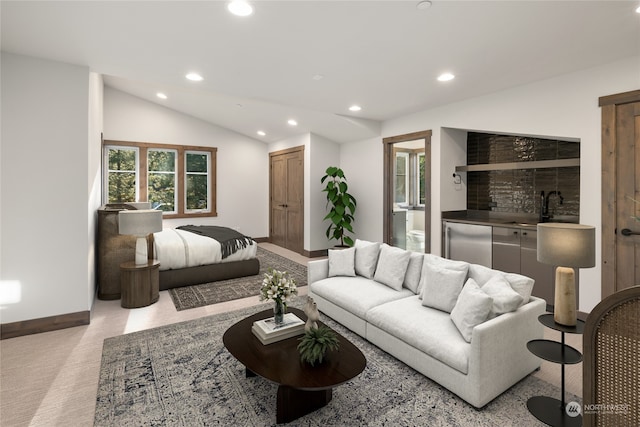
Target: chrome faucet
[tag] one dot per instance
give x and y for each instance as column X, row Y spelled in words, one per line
column 544, row 204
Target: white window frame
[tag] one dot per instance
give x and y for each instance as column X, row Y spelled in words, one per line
column 406, row 177
column 208, row 175
column 417, row 187
column 105, row 168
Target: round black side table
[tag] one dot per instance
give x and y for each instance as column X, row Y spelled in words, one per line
column 547, row 409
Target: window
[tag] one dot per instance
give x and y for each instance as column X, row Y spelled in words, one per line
column 409, row 178
column 179, row 180
column 421, row 180
column 197, row 165
column 402, row 178
column 161, row 179
column 122, row 173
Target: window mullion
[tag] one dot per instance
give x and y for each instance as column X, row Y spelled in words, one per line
column 181, row 182
column 143, row 173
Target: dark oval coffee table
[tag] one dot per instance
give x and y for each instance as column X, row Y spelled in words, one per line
column 301, row 388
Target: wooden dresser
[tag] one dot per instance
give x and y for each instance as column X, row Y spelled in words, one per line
column 113, row 250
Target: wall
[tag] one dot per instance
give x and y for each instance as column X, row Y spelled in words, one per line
column 564, row 107
column 323, row 153
column 362, row 164
column 242, row 162
column 44, row 165
column 94, row 187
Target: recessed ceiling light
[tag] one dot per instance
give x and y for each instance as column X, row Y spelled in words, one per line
column 261, row 133
column 638, row 9
column 161, row 95
column 424, row 5
column 240, row 8
column 194, row 77
column 445, row 77
column 292, row 122
column 355, row 108
column 318, row 77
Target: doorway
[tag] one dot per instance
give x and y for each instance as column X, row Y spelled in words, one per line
column 620, row 191
column 286, row 198
column 407, row 191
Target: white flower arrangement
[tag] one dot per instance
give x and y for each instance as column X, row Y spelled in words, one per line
column 278, row 286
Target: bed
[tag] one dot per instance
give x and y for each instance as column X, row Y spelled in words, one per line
column 202, row 267
column 192, row 255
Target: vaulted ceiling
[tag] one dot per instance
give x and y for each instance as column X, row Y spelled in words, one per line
column 311, row 60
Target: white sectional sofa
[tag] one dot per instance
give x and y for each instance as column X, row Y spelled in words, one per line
column 464, row 326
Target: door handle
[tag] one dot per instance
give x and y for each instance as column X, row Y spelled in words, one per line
column 627, row 232
column 284, row 206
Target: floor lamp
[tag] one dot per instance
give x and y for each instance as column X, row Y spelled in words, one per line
column 140, row 223
column 566, row 246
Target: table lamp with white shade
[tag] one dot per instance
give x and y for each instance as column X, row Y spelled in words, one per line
column 140, row 223
column 566, row 246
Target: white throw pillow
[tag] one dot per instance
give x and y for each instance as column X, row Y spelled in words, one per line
column 392, row 266
column 342, row 262
column 471, row 309
column 435, row 260
column 505, row 299
column 522, row 285
column 442, row 287
column 366, row 258
column 414, row 271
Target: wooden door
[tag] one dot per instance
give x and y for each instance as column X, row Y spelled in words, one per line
column 620, row 187
column 287, row 198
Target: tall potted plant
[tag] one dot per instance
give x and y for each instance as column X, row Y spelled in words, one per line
column 343, row 206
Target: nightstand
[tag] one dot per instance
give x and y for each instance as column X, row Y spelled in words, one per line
column 139, row 284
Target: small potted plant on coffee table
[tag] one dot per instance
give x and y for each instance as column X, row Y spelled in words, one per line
column 315, row 343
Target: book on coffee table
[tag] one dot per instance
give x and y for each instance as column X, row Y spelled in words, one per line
column 268, row 332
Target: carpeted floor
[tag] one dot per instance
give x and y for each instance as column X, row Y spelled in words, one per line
column 226, row 290
column 181, row 375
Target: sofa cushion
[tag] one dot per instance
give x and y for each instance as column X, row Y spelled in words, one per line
column 442, row 287
column 366, row 258
column 523, row 285
column 356, row 294
column 435, row 260
column 414, row 271
column 342, row 262
column 505, row 299
column 392, row 266
column 428, row 330
column 471, row 309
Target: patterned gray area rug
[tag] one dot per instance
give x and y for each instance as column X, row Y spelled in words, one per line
column 226, row 290
column 181, row 375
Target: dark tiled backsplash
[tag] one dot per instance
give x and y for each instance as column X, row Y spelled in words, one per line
column 518, row 191
column 490, row 148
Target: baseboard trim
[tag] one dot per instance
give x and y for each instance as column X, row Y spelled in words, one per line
column 316, row 253
column 44, row 324
column 261, row 239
